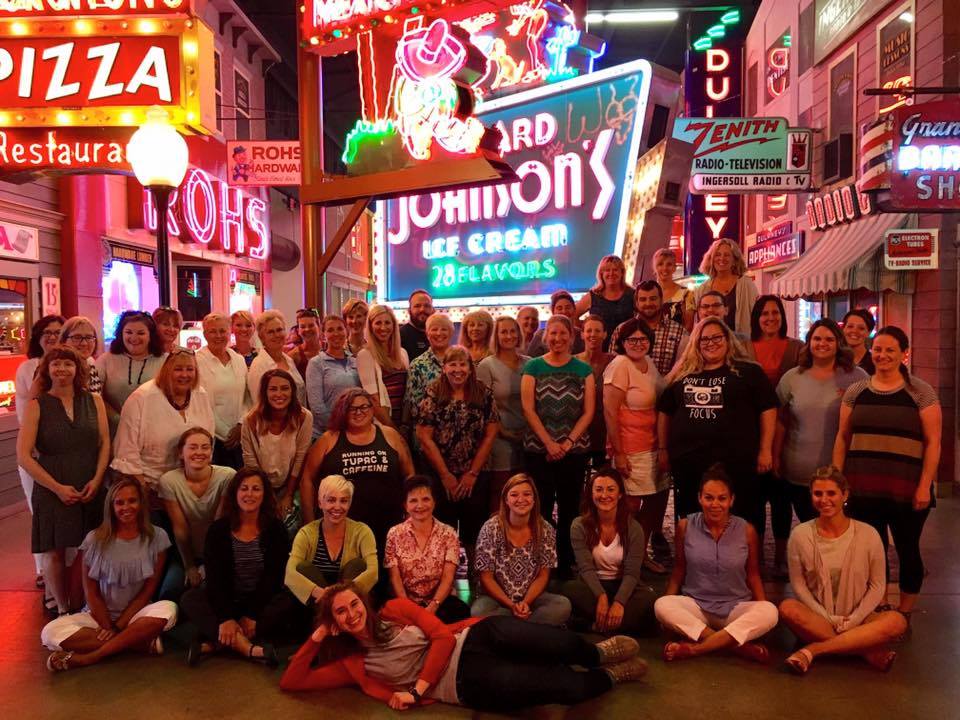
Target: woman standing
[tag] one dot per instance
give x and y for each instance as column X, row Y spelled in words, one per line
column 243, row 329
column 192, row 497
column 858, row 325
column 476, row 330
column 372, row 456
column 156, row 416
column 595, row 355
column 330, row 373
column 726, row 268
column 611, row 299
column 422, row 555
column 503, row 664
column 715, row 597
column 242, row 606
column 134, row 357
column 275, row 438
column 559, row 394
column 64, row 445
column 775, row 352
column 678, row 302
column 223, row 374
column 809, row 416
column 888, row 446
column 354, row 315
column 516, row 549
column 716, row 409
column 456, row 426
column 271, row 329
column 631, row 385
column 610, row 547
column 837, row 572
column 79, row 333
column 121, row 564
column 168, row 321
column 428, row 366
column 383, row 366
column 501, row 372
column 311, row 336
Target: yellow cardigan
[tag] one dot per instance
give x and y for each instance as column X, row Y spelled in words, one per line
column 357, row 543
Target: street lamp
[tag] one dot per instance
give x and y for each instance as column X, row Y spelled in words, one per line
column 158, row 155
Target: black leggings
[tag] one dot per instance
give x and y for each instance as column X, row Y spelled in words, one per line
column 273, row 621
column 906, row 526
column 562, row 482
column 507, row 664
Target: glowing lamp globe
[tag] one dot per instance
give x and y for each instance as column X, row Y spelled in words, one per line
column 157, row 152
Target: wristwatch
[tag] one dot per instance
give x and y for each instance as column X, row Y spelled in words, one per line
column 416, row 696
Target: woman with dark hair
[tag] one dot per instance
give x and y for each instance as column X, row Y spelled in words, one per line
column 838, row 576
column 456, row 426
column 598, row 358
column 331, row 372
column 121, row 563
column 169, row 321
column 242, row 605
column 155, row 417
column 716, row 409
column 311, row 335
column 775, row 352
column 275, row 437
column 727, row 270
column 192, row 496
column 611, row 299
column 422, row 555
column 372, row 456
column 135, row 356
column 888, row 446
column 64, row 445
column 715, row 598
column 809, row 414
column 405, row 656
column 858, row 324
column 610, row 547
column 516, row 550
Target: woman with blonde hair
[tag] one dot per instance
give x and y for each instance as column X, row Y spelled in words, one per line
column 476, row 332
column 678, row 302
column 716, row 409
column 244, row 329
column 383, row 365
column 726, row 268
column 354, row 314
column 272, row 331
column 611, row 299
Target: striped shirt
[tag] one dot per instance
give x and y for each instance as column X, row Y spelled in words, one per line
column 247, row 565
column 322, row 560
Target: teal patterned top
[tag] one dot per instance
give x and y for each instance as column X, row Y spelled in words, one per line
column 559, row 401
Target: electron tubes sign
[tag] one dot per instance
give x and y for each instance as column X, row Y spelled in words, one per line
column 574, row 147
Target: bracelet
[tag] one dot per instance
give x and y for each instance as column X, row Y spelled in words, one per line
column 416, row 696
column 434, row 601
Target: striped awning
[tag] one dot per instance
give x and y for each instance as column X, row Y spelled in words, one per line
column 847, row 257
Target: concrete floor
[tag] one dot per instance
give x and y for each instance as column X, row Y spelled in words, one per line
column 922, row 684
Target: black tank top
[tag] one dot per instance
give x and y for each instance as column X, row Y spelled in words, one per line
column 612, row 312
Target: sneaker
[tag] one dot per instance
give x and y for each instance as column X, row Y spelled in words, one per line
column 627, row 671
column 617, row 648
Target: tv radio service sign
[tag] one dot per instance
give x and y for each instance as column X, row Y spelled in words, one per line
column 911, row 249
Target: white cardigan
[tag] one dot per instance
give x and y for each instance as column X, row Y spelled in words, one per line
column 230, row 399
column 371, row 375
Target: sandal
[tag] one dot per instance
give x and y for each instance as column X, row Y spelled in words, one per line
column 677, row 651
column 39, row 581
column 757, row 652
column 59, row 661
column 800, row 661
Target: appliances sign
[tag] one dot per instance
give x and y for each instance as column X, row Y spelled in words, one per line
column 926, row 162
column 775, row 250
column 574, row 146
column 911, row 249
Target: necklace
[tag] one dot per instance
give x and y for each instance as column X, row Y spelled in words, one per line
column 177, row 406
column 130, row 371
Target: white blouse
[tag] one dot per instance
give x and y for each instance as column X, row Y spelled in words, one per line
column 261, row 364
column 146, row 442
column 227, row 387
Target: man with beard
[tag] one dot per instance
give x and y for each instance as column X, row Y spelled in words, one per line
column 413, row 334
column 670, row 337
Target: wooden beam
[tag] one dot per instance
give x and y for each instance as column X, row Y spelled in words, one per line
column 353, row 215
column 224, row 20
column 252, row 49
column 238, row 32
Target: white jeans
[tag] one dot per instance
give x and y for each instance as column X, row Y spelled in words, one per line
column 57, row 631
column 747, row 621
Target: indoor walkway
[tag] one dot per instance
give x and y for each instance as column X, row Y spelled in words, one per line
column 922, row 684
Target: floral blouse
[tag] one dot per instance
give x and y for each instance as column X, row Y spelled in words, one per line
column 421, row 569
column 514, row 568
column 423, row 371
column 458, row 427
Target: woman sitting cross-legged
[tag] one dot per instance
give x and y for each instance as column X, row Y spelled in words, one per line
column 609, row 546
column 405, row 655
column 423, row 553
column 515, row 551
column 332, row 549
column 715, row 597
column 122, row 561
column 837, row 571
column 243, row 604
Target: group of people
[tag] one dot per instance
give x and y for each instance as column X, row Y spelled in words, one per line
column 269, row 492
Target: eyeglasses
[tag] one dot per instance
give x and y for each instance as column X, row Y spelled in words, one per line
column 360, row 409
column 636, row 341
column 82, row 338
column 183, row 351
column 713, row 340
column 712, row 306
column 51, row 334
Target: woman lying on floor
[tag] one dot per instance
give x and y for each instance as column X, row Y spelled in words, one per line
column 838, row 573
column 405, row 655
column 122, row 561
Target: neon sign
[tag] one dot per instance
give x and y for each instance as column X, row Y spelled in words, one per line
column 574, row 146
column 843, row 205
column 42, row 8
column 64, row 149
column 778, row 71
column 926, row 152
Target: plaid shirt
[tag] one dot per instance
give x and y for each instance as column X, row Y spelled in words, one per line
column 668, row 339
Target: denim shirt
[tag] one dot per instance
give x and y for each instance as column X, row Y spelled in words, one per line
column 327, row 377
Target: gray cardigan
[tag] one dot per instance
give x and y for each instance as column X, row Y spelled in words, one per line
column 634, row 553
column 863, row 581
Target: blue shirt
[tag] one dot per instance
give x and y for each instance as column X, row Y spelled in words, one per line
column 327, row 377
column 716, row 574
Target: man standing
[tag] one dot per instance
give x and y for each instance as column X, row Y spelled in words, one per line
column 670, row 337
column 712, row 304
column 528, row 317
column 413, row 334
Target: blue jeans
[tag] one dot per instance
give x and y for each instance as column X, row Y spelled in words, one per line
column 547, row 609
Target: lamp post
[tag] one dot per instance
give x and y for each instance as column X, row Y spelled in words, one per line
column 158, row 155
